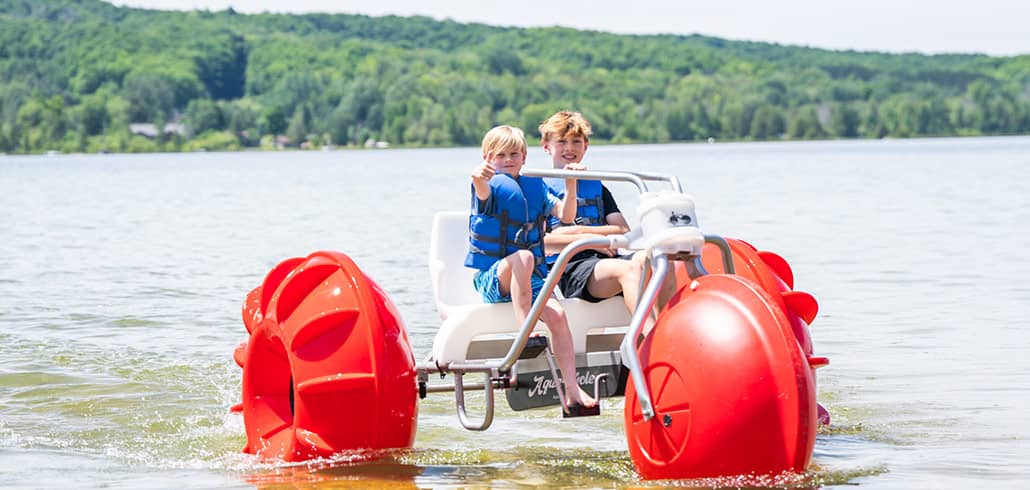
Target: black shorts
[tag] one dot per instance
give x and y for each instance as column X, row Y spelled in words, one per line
column 573, row 281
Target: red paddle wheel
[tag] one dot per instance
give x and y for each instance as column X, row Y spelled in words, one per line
column 328, row 366
column 731, row 389
column 731, row 370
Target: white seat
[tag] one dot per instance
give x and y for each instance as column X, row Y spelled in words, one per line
column 467, row 319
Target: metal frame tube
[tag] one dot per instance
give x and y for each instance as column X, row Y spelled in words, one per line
column 451, row 387
column 727, row 253
column 645, row 276
column 628, row 348
column 587, row 175
column 637, row 178
column 673, row 181
column 459, row 399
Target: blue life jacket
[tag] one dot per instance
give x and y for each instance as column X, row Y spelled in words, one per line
column 589, row 204
column 516, row 223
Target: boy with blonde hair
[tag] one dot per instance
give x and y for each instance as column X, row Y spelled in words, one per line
column 506, row 229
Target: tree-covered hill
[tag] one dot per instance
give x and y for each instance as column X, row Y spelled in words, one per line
column 84, row 75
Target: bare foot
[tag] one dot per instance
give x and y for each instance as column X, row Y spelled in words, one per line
column 581, row 397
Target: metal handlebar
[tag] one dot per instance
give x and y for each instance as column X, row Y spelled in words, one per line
column 636, row 178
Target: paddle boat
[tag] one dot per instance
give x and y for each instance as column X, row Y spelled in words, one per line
column 720, row 382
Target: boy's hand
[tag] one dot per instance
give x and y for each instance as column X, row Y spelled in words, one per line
column 483, row 172
column 481, row 176
column 567, row 213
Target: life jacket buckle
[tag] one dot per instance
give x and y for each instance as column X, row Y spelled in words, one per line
column 521, row 235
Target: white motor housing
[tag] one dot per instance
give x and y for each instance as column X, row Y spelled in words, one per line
column 668, row 223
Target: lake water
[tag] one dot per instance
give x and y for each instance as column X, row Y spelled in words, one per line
column 122, row 277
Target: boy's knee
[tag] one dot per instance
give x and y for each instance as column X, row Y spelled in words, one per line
column 553, row 306
column 559, row 315
column 555, row 318
column 638, row 260
column 524, row 259
column 637, row 264
column 631, row 269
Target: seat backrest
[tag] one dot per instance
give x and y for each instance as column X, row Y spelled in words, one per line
column 448, row 245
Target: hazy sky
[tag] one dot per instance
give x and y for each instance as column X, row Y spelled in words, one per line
column 999, row 27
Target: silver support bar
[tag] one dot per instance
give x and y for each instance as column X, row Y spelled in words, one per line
column 628, row 349
column 727, row 254
column 558, row 385
column 600, row 378
column 645, row 276
column 459, row 398
column 699, row 268
column 450, row 388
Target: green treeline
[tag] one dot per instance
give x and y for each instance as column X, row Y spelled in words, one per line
column 84, row 75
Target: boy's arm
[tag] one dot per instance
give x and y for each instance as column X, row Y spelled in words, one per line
column 609, row 229
column 481, row 176
column 558, row 238
column 554, row 242
column 618, row 221
column 567, row 211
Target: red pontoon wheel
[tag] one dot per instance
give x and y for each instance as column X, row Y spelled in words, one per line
column 328, row 366
column 731, row 388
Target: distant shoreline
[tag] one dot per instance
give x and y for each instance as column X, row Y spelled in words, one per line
column 532, row 145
